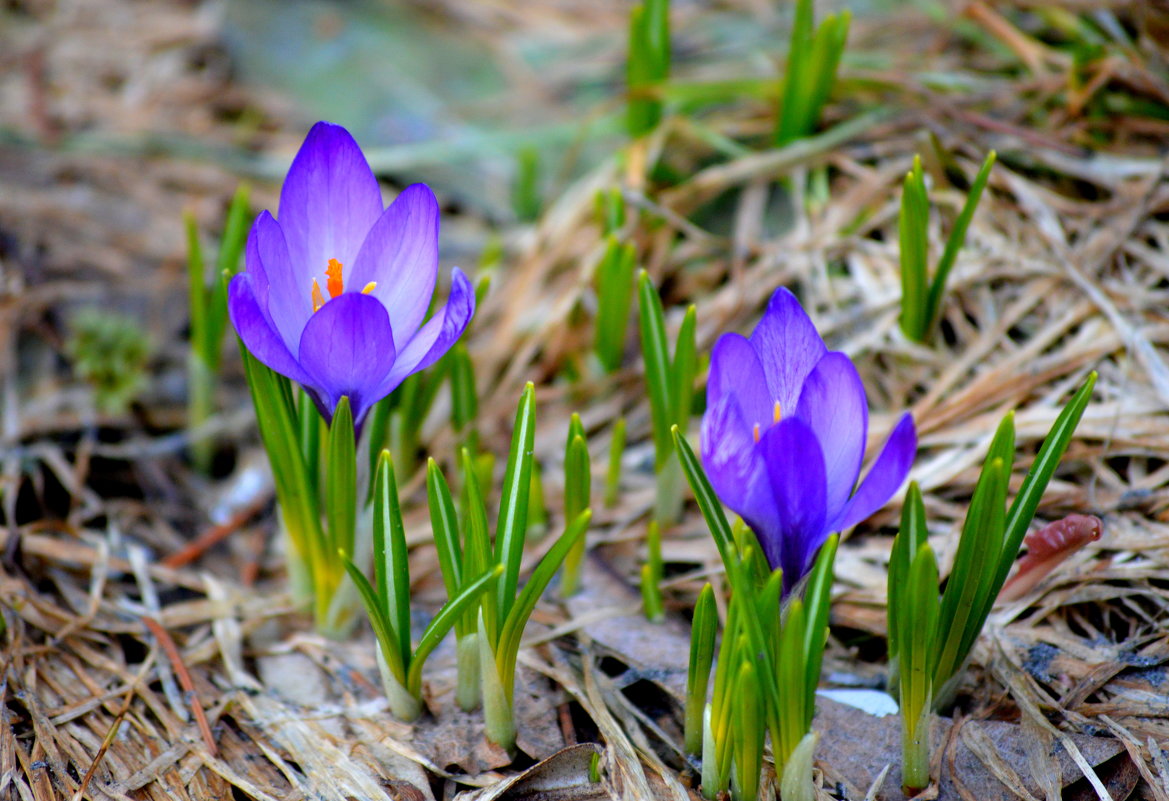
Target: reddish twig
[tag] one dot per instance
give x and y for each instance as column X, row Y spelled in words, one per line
column 176, row 660
column 212, row 536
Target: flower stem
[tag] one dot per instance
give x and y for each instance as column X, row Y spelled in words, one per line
column 467, row 689
column 710, row 783
column 498, row 719
column 404, row 706
column 796, row 782
column 915, row 751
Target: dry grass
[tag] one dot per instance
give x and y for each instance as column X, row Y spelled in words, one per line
column 1065, row 271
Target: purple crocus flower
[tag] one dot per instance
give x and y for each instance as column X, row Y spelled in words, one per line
column 784, row 433
column 378, row 266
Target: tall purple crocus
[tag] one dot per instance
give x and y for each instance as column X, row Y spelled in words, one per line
column 784, row 433
column 378, row 266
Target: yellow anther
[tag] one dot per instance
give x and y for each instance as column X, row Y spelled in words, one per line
column 318, row 298
column 370, row 287
column 776, row 413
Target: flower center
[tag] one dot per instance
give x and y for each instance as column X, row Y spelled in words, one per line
column 776, row 416
column 335, row 283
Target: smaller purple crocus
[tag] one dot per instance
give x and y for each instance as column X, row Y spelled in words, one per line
column 784, row 434
column 378, row 266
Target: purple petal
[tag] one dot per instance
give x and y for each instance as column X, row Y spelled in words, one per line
column 885, row 476
column 788, row 346
column 437, row 336
column 256, row 329
column 734, row 464
column 795, row 467
column 833, row 404
column 735, row 370
column 400, row 253
column 329, row 201
column 287, row 304
column 347, row 348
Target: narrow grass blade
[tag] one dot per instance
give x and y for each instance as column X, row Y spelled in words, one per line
column 909, row 539
column 231, row 247
column 702, row 634
column 651, row 574
column 615, row 290
column 276, row 419
column 513, row 508
column 817, row 602
column 311, row 430
column 1055, row 444
column 517, row 617
column 613, row 473
column 451, row 612
column 577, row 489
column 464, row 398
column 445, row 524
column 391, row 565
column 683, row 369
column 708, row 502
column 748, row 731
column 980, row 542
column 378, row 427
column 914, row 240
column 383, row 629
column 477, row 554
column 655, row 352
column 954, row 244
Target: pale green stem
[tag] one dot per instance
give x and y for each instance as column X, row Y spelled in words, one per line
column 570, row 576
column 343, row 611
column 300, row 575
column 668, row 504
column 467, row 688
column 796, row 782
column 499, row 722
column 709, row 758
column 404, row 706
column 915, row 751
column 200, row 407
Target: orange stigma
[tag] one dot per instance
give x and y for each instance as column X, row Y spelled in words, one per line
column 756, row 432
column 335, row 283
column 318, row 298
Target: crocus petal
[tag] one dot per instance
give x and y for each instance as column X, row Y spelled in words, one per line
column 256, row 329
column 287, row 304
column 833, row 405
column 885, row 476
column 347, row 348
column 735, row 465
column 437, row 336
column 329, row 201
column 795, row 468
column 400, row 254
column 735, row 370
column 788, row 346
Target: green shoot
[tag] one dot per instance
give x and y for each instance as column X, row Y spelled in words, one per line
column 812, row 60
column 651, row 574
column 921, row 297
column 648, row 65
